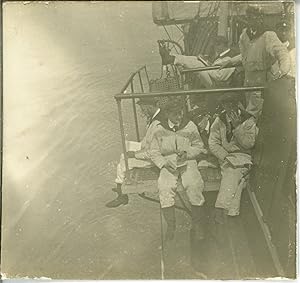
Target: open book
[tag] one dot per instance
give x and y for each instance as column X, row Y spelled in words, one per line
column 239, row 160
column 133, row 146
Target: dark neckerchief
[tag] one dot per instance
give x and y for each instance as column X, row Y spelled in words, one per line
column 229, row 132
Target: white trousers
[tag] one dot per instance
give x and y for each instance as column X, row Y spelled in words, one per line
column 207, row 78
column 191, row 180
column 232, row 185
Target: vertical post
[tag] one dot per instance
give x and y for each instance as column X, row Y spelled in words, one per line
column 122, row 134
column 141, row 82
column 147, row 77
column 135, row 114
column 223, row 19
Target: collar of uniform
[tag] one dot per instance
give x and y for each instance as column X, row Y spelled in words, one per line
column 286, row 44
column 171, row 124
column 224, row 52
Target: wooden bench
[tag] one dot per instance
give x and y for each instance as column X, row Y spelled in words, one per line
column 143, row 180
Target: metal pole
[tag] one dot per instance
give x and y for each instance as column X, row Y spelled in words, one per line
column 122, row 134
column 147, row 76
column 135, row 114
column 223, row 19
column 188, row 92
column 141, row 82
column 201, row 69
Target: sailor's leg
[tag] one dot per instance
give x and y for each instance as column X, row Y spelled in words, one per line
column 122, row 199
column 234, row 208
column 190, row 62
column 194, row 185
column 167, row 184
column 229, row 196
column 121, row 169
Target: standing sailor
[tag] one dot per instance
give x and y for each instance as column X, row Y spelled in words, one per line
column 259, row 50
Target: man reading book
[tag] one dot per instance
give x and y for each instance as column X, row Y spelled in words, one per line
column 175, row 146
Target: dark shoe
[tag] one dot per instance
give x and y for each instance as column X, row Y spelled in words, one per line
column 117, row 189
column 198, row 222
column 169, row 215
column 120, row 200
column 166, row 58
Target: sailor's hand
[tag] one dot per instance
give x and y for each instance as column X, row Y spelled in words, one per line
column 170, row 167
column 181, row 156
column 227, row 160
column 130, row 154
column 223, row 64
column 235, row 119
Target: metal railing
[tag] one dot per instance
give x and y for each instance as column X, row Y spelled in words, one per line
column 124, row 94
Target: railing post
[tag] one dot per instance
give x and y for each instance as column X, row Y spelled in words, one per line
column 147, row 76
column 141, row 82
column 122, row 134
column 135, row 114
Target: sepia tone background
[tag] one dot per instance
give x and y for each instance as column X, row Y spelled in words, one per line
column 63, row 62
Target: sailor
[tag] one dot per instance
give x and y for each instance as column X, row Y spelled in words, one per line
column 174, row 149
column 137, row 158
column 283, row 31
column 232, row 136
column 259, row 50
column 211, row 78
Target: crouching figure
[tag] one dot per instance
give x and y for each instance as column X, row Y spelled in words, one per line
column 231, row 139
column 175, row 146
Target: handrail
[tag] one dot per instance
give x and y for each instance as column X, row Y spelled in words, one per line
column 130, row 79
column 120, row 96
column 201, row 69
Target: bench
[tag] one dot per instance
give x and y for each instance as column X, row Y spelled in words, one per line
column 144, row 180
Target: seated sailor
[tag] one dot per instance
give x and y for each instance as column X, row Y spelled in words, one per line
column 137, row 158
column 210, row 78
column 232, row 135
column 175, row 146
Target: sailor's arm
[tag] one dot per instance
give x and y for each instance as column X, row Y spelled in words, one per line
column 197, row 146
column 246, row 133
column 276, row 49
column 230, row 62
column 154, row 153
column 144, row 152
column 214, row 141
